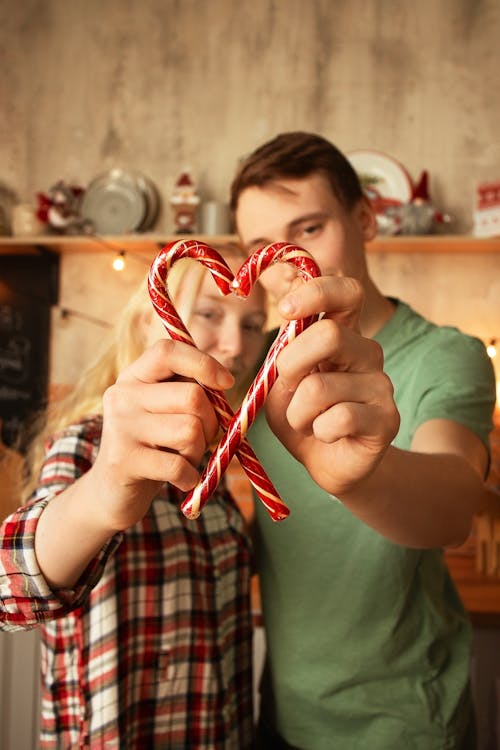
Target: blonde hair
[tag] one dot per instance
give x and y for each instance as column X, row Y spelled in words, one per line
column 85, row 398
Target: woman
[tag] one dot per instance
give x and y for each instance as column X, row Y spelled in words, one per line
column 146, row 628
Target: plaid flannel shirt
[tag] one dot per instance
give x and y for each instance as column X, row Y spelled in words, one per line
column 152, row 648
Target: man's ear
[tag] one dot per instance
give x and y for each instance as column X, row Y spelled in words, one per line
column 367, row 219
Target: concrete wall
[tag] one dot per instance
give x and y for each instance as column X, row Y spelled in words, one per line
column 157, row 85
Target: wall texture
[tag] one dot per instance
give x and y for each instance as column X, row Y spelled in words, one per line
column 161, row 84
column 157, row 85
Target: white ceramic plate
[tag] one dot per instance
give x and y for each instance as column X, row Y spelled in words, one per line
column 152, row 201
column 115, row 203
column 382, row 175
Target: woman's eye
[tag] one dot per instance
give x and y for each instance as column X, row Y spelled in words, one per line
column 209, row 315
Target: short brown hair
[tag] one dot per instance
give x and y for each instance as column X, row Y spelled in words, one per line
column 296, row 155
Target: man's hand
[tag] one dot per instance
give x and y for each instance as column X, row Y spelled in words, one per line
column 332, row 406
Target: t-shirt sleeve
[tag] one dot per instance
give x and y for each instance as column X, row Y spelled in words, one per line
column 459, row 383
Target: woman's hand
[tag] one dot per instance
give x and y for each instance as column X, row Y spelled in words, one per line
column 157, row 424
column 156, row 427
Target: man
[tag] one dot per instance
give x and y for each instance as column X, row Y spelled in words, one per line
column 368, row 643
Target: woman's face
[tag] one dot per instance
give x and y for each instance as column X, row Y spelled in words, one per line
column 230, row 329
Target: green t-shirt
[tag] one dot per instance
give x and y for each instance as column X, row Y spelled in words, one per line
column 368, row 642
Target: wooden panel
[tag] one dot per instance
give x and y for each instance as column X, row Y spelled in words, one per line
column 480, row 593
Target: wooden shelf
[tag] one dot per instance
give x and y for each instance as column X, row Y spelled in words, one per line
column 148, row 243
column 452, row 244
column 144, row 244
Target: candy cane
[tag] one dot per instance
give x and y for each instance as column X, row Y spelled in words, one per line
column 223, row 277
column 255, row 398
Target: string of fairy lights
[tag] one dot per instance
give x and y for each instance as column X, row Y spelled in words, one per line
column 119, row 263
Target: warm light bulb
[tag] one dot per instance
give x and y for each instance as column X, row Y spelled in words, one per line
column 119, row 261
column 492, row 349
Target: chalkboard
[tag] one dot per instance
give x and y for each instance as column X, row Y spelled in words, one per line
column 28, row 288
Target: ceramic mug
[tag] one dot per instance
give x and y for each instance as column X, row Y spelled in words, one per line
column 215, row 220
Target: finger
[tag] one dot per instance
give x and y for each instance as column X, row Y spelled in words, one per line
column 181, row 433
column 184, row 398
column 327, row 346
column 338, row 296
column 146, row 447
column 167, row 358
column 166, row 466
column 321, row 393
column 129, row 406
column 351, row 421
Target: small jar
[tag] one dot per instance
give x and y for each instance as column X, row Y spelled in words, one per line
column 215, row 218
column 25, row 222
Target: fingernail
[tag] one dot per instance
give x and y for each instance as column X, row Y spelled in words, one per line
column 287, row 305
column 224, row 379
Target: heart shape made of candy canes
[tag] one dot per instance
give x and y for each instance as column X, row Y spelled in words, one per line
column 235, row 425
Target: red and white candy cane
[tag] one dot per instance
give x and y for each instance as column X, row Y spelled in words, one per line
column 223, row 277
column 280, row 252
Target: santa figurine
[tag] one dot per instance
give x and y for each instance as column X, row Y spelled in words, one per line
column 60, row 209
column 185, row 201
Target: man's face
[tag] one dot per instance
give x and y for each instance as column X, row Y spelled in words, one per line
column 304, row 212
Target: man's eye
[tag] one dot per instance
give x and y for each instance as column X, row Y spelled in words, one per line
column 253, row 328
column 310, row 229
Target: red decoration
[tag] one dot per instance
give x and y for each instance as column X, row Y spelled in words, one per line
column 60, row 209
column 185, row 202
column 420, row 191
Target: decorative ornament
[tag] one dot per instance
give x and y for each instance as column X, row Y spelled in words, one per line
column 60, row 209
column 487, row 210
column 419, row 216
column 184, row 202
